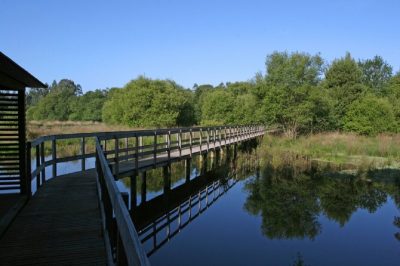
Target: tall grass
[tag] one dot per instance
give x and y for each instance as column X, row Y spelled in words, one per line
column 379, row 151
column 37, row 129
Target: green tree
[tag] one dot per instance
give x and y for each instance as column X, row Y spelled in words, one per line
column 217, row 107
column 343, row 72
column 56, row 105
column 343, row 79
column 370, row 116
column 376, row 74
column 88, row 107
column 145, row 102
column 288, row 88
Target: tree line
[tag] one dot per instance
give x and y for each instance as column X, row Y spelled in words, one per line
column 299, row 92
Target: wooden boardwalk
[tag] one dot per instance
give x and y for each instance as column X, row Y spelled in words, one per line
column 60, row 225
column 65, row 223
column 128, row 168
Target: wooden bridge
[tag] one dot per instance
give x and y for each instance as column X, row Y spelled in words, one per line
column 82, row 217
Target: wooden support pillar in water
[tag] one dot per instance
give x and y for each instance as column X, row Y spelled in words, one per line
column 218, row 156
column 143, row 188
column 204, row 163
column 188, row 169
column 133, row 192
column 167, row 177
column 234, row 151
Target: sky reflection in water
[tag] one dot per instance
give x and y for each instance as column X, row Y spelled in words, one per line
column 285, row 215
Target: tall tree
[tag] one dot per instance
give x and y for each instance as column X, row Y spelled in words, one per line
column 343, row 79
column 287, row 88
column 376, row 74
column 145, row 102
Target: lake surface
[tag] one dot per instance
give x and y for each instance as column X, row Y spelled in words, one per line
column 253, row 213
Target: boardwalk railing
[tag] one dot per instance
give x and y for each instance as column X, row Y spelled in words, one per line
column 142, row 150
column 123, row 238
column 154, row 146
column 134, row 151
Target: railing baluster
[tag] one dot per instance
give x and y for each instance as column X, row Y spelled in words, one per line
column 37, row 166
column 54, row 157
column 28, row 169
column 83, row 163
column 137, row 154
column 169, row 145
column 180, row 142
column 42, row 163
column 116, row 155
column 155, row 149
column 190, row 142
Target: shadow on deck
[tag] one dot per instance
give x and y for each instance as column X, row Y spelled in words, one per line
column 60, row 225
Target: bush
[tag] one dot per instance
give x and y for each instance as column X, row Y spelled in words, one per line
column 370, row 116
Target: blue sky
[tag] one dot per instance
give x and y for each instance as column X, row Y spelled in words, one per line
column 101, row 44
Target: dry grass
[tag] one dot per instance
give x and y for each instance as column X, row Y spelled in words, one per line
column 344, row 148
column 43, row 128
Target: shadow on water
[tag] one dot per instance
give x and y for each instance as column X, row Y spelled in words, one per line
column 290, row 197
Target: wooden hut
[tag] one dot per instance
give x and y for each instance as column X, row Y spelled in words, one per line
column 13, row 82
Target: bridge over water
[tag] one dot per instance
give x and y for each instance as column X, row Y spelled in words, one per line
column 82, row 217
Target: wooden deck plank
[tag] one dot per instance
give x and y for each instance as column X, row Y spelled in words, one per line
column 60, row 225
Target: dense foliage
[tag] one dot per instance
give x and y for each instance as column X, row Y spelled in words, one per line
column 65, row 101
column 300, row 93
column 145, row 102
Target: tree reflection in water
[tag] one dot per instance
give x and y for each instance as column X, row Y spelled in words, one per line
column 290, row 199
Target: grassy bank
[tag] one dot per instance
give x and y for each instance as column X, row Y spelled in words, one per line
column 37, row 129
column 340, row 148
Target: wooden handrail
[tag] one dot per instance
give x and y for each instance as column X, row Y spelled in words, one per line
column 133, row 252
column 184, row 138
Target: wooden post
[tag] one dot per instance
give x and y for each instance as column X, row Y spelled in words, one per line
column 27, row 187
column 208, row 139
column 105, row 148
column 180, row 142
column 141, row 143
column 219, row 137
column 37, row 167
column 133, row 191
column 214, row 134
column 190, row 142
column 155, row 149
column 225, row 135
column 54, row 157
column 204, row 164
column 42, row 163
column 188, row 169
column 23, row 175
column 167, row 178
column 137, row 154
column 83, row 152
column 201, row 139
column 116, row 156
column 169, row 145
column 126, row 147
column 143, row 188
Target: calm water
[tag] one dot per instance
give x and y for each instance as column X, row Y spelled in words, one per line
column 252, row 213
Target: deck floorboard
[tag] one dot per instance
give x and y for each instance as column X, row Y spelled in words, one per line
column 60, row 225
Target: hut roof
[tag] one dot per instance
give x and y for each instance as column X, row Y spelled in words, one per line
column 13, row 76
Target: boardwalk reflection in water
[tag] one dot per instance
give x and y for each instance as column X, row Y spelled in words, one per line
column 162, row 217
column 256, row 212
